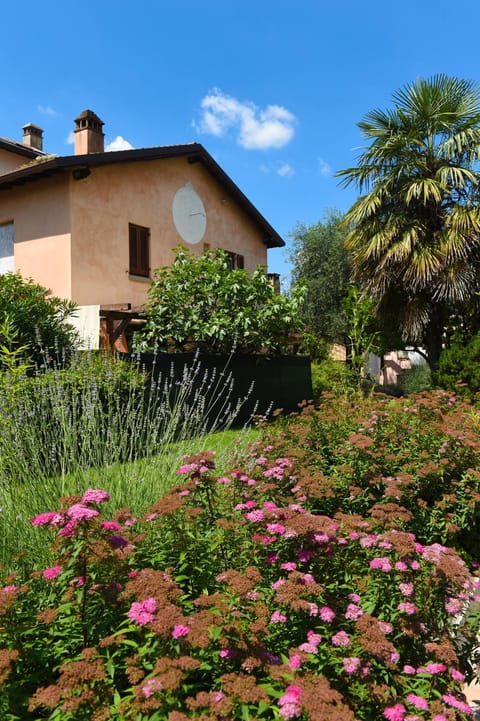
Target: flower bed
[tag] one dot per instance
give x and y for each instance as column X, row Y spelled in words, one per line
column 259, row 594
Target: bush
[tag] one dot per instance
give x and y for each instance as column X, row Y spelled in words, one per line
column 35, row 320
column 199, row 302
column 459, row 367
column 329, row 574
column 330, row 376
column 233, row 598
column 417, row 379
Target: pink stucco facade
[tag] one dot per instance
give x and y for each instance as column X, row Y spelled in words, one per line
column 71, row 235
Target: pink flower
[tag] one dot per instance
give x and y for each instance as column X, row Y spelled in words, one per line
column 341, row 639
column 10, row 589
column 453, row 605
column 312, row 609
column 434, row 668
column 288, row 566
column 354, row 597
column 289, row 702
column 276, row 528
column 51, row 573
column 417, row 701
column 308, row 648
column 326, row 614
column 255, row 516
column 295, row 661
column 151, row 686
column 110, row 526
column 278, row 584
column 277, row 617
column 456, row 675
column 227, row 653
column 406, row 589
column 79, row 512
column 410, row 670
column 224, row 480
column 179, row 631
column 44, row 519
column 439, row 717
column 395, row 713
column 407, row 607
column 401, row 566
column 351, row 664
column 353, row 611
column 187, row 468
column 95, row 496
column 69, row 529
column 457, row 703
column 143, row 612
column 382, row 563
column 314, row 638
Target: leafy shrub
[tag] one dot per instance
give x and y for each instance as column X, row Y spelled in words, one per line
column 234, row 598
column 330, row 376
column 407, row 461
column 37, row 321
column 200, row 302
column 416, row 379
column 459, row 367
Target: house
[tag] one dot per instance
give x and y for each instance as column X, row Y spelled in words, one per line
column 92, row 226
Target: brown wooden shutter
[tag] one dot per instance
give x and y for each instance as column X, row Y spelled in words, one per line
column 139, row 249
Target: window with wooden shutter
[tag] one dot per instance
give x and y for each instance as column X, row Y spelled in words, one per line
column 139, row 242
column 235, row 260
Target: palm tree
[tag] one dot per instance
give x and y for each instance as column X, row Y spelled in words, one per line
column 415, row 237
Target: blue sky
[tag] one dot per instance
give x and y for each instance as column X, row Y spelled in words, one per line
column 272, row 88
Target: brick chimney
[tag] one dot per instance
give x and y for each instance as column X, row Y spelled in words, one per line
column 33, row 136
column 89, row 137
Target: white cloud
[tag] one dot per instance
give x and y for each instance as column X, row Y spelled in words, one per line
column 46, row 110
column 323, row 167
column 286, row 170
column 256, row 129
column 70, row 139
column 119, row 143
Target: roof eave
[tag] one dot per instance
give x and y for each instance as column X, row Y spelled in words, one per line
column 194, row 152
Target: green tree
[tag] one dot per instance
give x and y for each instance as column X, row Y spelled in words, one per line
column 199, row 301
column 321, row 262
column 415, row 233
column 32, row 321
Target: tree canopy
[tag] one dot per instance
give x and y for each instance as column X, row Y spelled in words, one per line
column 200, row 302
column 321, row 262
column 415, row 232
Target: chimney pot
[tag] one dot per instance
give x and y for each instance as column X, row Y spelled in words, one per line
column 89, row 136
column 33, row 136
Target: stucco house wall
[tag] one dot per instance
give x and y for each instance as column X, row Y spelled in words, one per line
column 42, row 236
column 10, row 161
column 104, row 203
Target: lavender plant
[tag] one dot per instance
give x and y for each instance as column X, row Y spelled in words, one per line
column 100, row 413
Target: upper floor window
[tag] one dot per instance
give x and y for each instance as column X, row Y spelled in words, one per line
column 139, row 247
column 236, row 260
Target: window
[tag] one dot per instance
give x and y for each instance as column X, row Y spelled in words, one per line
column 236, row 261
column 139, row 243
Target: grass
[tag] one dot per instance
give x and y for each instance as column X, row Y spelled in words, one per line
column 102, row 424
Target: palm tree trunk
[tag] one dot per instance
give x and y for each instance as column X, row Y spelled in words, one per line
column 433, row 337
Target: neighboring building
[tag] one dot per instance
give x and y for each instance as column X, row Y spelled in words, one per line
column 91, row 227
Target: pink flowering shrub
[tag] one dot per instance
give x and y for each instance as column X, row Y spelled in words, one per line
column 249, row 596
